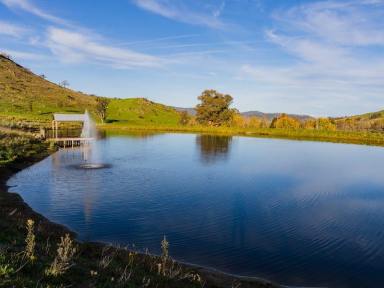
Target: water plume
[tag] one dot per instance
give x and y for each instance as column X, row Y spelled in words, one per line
column 91, row 154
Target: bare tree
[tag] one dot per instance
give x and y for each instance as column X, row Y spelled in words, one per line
column 64, row 83
column 6, row 55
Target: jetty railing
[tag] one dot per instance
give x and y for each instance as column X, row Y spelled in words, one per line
column 71, row 142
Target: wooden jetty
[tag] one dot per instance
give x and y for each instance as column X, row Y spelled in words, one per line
column 71, row 142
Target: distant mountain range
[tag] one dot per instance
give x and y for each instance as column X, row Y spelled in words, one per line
column 269, row 116
column 190, row 111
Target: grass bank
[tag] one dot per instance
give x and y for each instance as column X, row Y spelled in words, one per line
column 41, row 255
column 365, row 138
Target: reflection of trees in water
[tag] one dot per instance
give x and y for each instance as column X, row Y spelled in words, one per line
column 213, row 147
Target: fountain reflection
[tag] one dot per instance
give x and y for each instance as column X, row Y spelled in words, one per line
column 239, row 220
column 213, row 148
column 84, row 185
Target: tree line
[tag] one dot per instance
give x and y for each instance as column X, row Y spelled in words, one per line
column 214, row 110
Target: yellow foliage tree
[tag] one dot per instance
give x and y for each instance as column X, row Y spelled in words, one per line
column 239, row 121
column 320, row 124
column 256, row 122
column 248, row 122
column 326, row 124
column 283, row 121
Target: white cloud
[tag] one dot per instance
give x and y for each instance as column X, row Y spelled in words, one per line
column 77, row 44
column 177, row 10
column 72, row 46
column 10, row 29
column 30, row 8
column 335, row 64
column 303, row 88
column 217, row 12
column 21, row 55
column 308, row 49
column 342, row 22
column 332, row 53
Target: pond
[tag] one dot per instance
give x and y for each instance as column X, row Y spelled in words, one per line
column 297, row 212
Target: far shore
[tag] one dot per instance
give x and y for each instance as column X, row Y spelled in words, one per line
column 347, row 137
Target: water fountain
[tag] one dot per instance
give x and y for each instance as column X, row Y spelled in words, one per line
column 91, row 154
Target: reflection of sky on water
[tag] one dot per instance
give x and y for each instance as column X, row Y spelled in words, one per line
column 298, row 212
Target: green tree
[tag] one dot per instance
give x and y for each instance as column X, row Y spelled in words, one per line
column 214, row 108
column 101, row 108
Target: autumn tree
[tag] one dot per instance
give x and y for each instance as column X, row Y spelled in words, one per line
column 283, row 121
column 378, row 125
column 101, row 107
column 214, row 108
column 326, row 124
column 239, row 121
column 320, row 124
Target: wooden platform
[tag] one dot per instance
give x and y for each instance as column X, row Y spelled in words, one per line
column 71, row 142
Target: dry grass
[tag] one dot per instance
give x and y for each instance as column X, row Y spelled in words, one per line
column 30, row 241
column 64, row 259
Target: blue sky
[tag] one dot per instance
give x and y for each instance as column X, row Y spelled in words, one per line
column 324, row 58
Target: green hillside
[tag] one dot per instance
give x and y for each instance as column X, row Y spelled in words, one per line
column 372, row 115
column 139, row 111
column 25, row 95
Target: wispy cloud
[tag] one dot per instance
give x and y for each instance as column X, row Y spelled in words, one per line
column 342, row 22
column 74, row 43
column 331, row 64
column 72, row 46
column 179, row 11
column 10, row 29
column 22, row 55
column 31, row 8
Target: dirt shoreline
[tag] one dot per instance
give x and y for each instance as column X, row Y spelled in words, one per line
column 13, row 206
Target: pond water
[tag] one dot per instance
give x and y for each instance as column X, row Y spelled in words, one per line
column 300, row 213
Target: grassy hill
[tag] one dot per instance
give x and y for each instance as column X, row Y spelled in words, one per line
column 371, row 115
column 373, row 121
column 25, row 95
column 139, row 111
